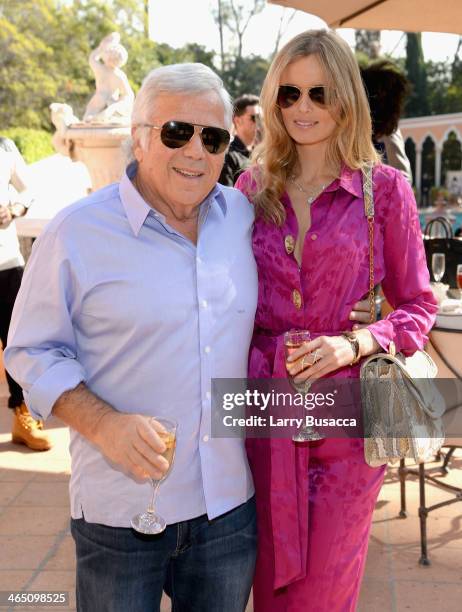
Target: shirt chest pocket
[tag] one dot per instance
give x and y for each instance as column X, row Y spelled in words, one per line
column 142, row 301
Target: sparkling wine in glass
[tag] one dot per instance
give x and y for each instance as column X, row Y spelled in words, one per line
column 293, row 340
column 149, row 522
column 459, row 276
column 438, row 266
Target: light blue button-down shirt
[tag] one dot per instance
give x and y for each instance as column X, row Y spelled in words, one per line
column 115, row 297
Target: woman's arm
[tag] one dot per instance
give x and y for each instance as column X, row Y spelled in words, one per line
column 406, row 284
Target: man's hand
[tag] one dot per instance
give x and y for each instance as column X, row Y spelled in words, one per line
column 5, row 216
column 132, row 442
column 361, row 314
column 129, row 440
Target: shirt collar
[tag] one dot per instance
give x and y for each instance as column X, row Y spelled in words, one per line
column 137, row 209
column 350, row 180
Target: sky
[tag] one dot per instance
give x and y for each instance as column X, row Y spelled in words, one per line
column 178, row 22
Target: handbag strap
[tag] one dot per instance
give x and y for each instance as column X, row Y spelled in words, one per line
column 368, row 194
column 449, row 232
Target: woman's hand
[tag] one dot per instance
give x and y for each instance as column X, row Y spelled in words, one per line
column 327, row 354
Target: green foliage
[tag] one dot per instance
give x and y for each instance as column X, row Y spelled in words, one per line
column 451, row 157
column 245, row 75
column 44, row 50
column 417, row 102
column 33, row 144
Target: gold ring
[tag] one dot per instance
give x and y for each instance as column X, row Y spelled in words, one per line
column 316, row 356
column 304, row 365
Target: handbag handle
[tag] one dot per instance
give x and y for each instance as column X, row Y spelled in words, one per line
column 442, row 221
column 368, row 194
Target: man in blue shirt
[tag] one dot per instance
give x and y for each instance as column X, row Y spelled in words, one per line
column 133, row 300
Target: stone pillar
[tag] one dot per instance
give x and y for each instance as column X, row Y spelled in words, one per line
column 438, row 155
column 418, row 171
column 101, row 149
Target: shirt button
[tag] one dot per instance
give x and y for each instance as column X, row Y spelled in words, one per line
column 297, row 299
column 314, row 237
column 205, row 438
column 207, row 349
column 289, row 244
column 204, row 303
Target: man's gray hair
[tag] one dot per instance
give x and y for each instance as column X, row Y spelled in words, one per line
column 189, row 78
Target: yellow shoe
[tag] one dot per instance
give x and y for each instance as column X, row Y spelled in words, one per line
column 26, row 430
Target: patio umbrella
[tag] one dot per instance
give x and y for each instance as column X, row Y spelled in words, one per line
column 406, row 15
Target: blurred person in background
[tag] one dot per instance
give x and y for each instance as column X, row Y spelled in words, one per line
column 13, row 204
column 387, row 88
column 246, row 130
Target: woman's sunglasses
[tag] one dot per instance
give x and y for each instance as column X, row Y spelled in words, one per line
column 288, row 95
column 176, row 134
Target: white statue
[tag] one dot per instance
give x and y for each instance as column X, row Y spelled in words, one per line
column 113, row 99
column 97, row 141
column 62, row 116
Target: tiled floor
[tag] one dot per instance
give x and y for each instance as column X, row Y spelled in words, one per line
column 36, row 550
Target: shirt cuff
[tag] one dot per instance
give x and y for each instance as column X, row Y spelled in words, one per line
column 384, row 332
column 63, row 376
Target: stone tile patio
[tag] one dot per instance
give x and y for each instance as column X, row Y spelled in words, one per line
column 37, row 550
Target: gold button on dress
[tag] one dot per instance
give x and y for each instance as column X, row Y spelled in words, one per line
column 289, row 244
column 297, row 299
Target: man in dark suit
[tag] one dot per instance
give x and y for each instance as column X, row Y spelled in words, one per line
column 246, row 117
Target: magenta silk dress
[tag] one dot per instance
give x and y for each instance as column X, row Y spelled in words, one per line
column 315, row 504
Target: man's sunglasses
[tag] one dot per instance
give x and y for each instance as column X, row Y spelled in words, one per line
column 176, row 134
column 288, row 95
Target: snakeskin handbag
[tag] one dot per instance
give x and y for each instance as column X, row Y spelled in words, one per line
column 402, row 408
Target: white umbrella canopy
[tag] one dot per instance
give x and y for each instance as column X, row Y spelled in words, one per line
column 406, row 15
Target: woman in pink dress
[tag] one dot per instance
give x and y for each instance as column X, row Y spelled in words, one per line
column 315, row 501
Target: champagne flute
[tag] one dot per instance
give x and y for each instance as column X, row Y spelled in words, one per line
column 149, row 522
column 459, row 276
column 294, row 339
column 438, row 266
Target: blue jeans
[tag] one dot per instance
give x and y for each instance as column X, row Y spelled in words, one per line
column 204, row 566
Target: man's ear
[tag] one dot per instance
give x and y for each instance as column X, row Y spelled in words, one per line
column 136, row 145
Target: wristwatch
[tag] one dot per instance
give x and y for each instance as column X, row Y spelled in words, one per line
column 354, row 343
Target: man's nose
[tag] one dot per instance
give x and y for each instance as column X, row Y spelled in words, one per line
column 194, row 148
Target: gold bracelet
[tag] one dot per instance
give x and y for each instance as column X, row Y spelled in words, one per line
column 354, row 343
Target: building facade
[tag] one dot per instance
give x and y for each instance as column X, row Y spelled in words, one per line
column 434, row 148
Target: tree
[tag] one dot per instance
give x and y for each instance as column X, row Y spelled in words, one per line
column 44, row 50
column 417, row 102
column 368, row 43
column 235, row 17
column 284, row 23
column 246, row 75
column 219, row 18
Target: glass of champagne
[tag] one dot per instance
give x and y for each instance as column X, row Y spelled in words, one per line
column 149, row 522
column 293, row 340
column 459, row 276
column 438, row 266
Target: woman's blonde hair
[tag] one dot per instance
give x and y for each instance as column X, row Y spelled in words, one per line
column 350, row 144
